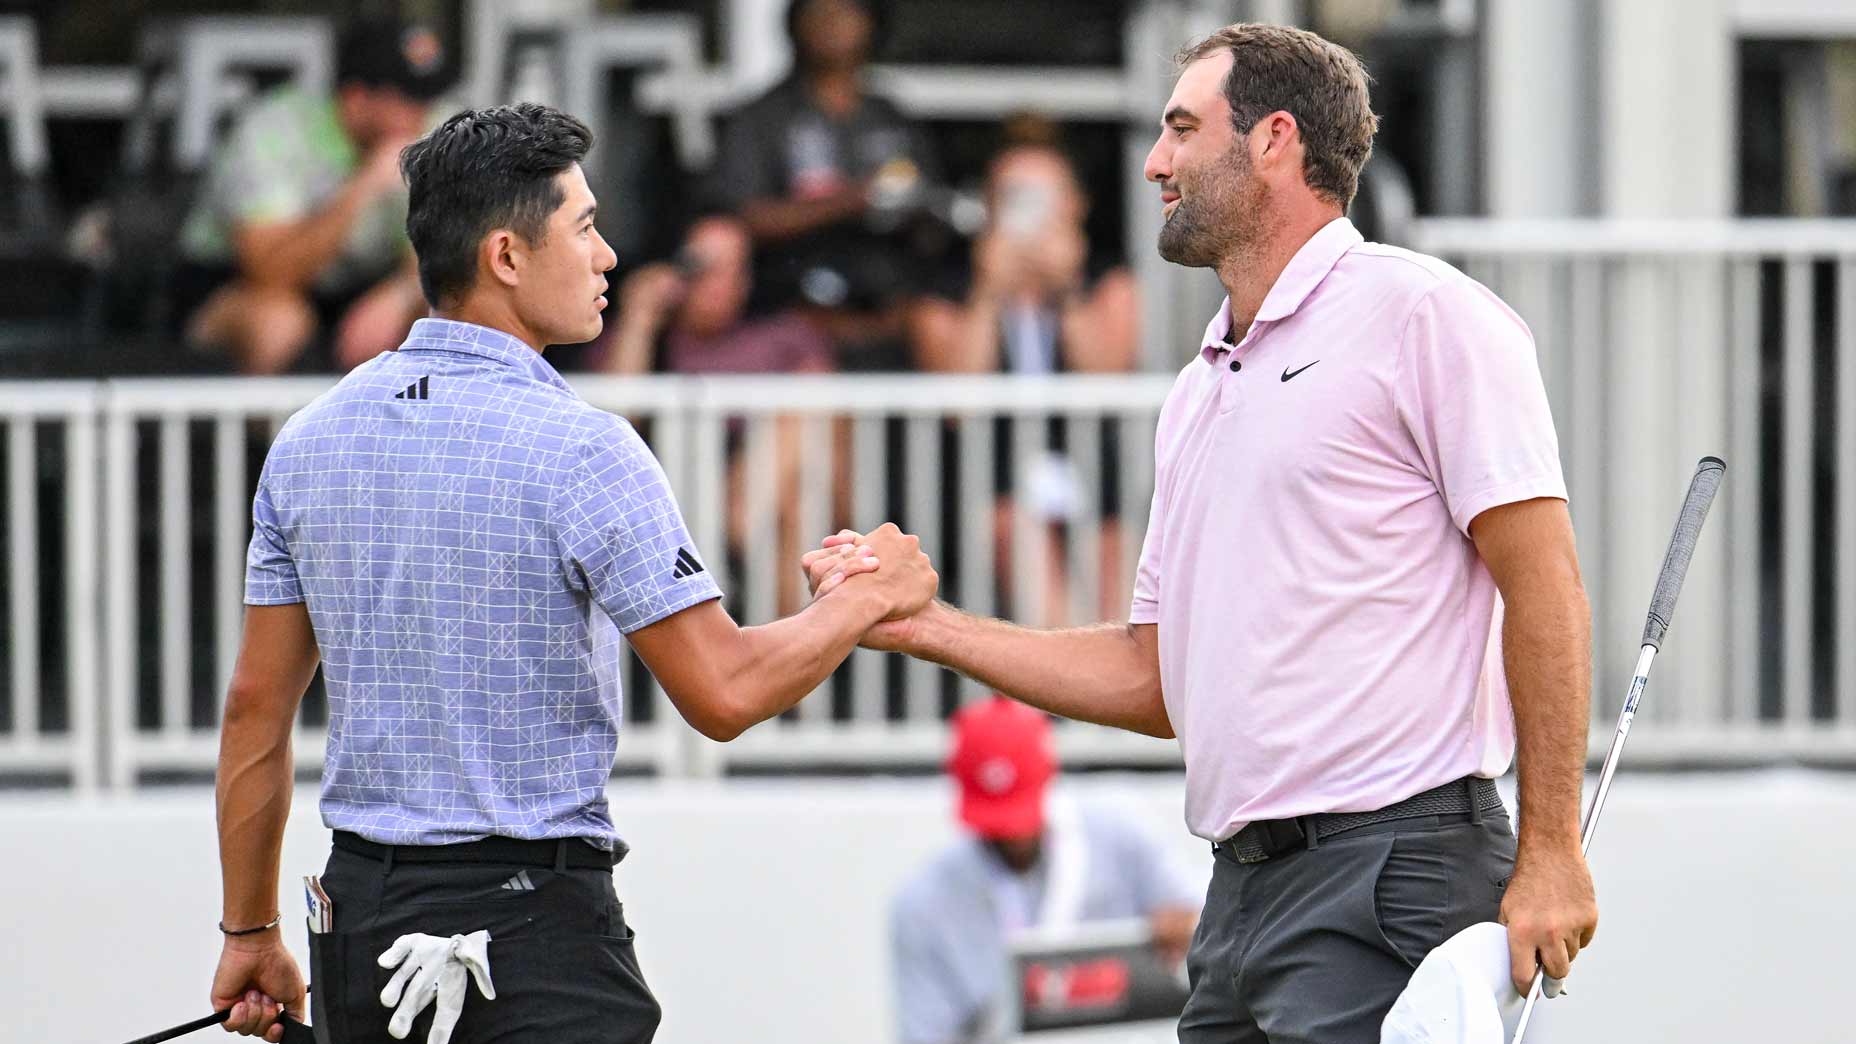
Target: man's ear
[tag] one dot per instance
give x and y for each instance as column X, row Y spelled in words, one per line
column 500, row 255
column 1282, row 139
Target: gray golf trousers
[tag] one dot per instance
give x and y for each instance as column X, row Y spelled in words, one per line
column 1314, row 946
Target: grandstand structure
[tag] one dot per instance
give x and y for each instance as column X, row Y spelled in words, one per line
column 1606, row 210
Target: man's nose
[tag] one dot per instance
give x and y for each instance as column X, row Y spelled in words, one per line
column 1159, row 164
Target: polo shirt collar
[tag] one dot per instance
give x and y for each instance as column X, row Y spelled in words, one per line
column 1305, row 271
column 450, row 335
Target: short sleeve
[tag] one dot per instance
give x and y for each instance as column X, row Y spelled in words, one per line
column 259, row 178
column 270, row 572
column 1469, row 395
column 1146, row 606
column 621, row 536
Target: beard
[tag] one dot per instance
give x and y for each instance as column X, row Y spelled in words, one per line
column 1221, row 218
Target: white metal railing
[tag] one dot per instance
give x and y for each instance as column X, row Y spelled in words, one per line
column 126, row 513
column 52, row 580
column 762, row 467
column 1661, row 341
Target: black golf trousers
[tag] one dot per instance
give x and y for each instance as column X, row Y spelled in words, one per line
column 1314, row 945
column 561, row 955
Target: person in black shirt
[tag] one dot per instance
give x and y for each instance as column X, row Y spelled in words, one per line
column 825, row 175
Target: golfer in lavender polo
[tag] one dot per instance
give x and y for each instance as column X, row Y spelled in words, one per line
column 460, row 540
column 1358, row 600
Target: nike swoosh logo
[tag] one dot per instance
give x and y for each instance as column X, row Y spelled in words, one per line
column 1290, row 374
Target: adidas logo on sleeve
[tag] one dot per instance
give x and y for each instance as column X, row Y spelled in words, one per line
column 686, row 566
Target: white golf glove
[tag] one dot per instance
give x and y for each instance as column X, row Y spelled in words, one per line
column 430, row 967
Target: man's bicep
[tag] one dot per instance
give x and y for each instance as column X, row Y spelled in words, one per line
column 688, row 653
column 277, row 657
column 1527, row 545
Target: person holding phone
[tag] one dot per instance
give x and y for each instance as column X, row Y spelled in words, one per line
column 1038, row 299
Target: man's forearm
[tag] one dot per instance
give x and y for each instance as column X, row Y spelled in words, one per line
column 253, row 794
column 778, row 664
column 1102, row 674
column 1547, row 644
column 778, row 220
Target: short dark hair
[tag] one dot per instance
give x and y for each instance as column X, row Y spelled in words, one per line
column 482, row 170
column 1320, row 83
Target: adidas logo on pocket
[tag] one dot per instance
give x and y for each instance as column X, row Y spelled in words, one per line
column 519, row 883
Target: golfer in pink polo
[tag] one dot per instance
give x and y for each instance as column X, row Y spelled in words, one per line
column 1358, row 601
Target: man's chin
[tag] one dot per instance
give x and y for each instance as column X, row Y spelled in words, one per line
column 585, row 333
column 1179, row 246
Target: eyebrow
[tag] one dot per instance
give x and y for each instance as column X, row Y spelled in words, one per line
column 587, row 213
column 1177, row 114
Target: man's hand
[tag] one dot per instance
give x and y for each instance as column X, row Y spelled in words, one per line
column 379, row 171
column 1550, row 911
column 258, row 979
column 1172, row 927
column 846, row 554
column 904, row 575
column 378, row 321
column 649, row 294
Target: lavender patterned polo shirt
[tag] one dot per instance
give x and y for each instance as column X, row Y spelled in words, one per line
column 471, row 539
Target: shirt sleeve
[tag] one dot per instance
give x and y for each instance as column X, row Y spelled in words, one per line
column 622, row 538
column 1471, row 399
column 1146, row 606
column 260, row 181
column 928, row 1007
column 270, row 572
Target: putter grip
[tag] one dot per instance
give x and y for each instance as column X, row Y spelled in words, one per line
column 1701, row 490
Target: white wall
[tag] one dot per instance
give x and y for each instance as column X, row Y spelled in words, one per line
column 1726, row 906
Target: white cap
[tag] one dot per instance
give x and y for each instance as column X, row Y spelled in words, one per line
column 1461, row 994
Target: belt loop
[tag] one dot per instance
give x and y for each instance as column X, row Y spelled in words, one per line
column 1475, row 799
column 1309, row 833
column 560, row 856
column 387, row 863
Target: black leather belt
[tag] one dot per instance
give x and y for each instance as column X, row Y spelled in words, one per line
column 566, row 852
column 1258, row 842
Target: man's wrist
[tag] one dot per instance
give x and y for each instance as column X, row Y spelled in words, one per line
column 1547, row 840
column 246, row 927
column 933, row 627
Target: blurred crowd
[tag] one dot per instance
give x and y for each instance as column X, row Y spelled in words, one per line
column 825, row 238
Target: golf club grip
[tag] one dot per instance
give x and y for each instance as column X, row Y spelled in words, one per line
column 1701, row 490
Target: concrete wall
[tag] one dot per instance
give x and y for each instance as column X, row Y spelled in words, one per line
column 759, row 906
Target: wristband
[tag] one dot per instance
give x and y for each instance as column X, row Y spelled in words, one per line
column 274, row 922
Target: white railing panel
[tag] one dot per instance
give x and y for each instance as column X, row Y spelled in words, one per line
column 1653, row 352
column 1798, row 470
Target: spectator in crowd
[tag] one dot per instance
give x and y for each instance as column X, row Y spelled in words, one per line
column 1028, row 862
column 1036, row 300
column 299, row 228
column 690, row 316
column 826, row 176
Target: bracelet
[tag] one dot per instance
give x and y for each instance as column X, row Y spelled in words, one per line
column 274, row 922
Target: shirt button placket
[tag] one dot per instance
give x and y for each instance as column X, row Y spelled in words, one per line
column 1230, row 384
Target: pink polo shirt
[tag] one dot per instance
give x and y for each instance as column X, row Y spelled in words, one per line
column 1329, row 637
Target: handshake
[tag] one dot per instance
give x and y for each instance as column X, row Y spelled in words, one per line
column 886, row 566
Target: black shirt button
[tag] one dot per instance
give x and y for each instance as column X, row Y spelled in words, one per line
column 1236, row 366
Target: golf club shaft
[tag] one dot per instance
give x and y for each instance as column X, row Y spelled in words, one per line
column 184, row 1028
column 1701, row 490
column 1645, row 658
